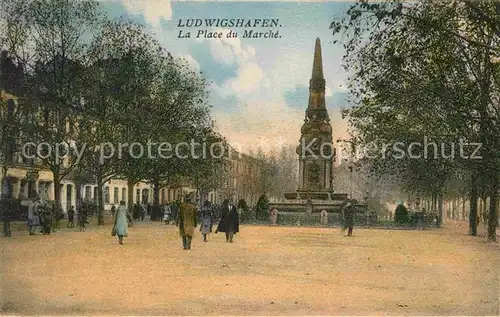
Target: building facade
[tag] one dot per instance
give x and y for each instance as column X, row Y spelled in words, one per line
column 29, row 178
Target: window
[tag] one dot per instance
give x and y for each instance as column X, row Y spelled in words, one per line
column 163, row 196
column 137, row 195
column 124, row 194
column 115, row 195
column 32, row 190
column 22, row 189
column 145, row 196
column 88, row 192
column 43, row 189
column 106, row 194
column 95, row 194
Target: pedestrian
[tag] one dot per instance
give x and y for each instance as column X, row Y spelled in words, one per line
column 82, row 217
column 207, row 216
column 136, row 211
column 187, row 222
column 121, row 223
column 113, row 211
column 33, row 217
column 167, row 216
column 229, row 221
column 46, row 212
column 162, row 212
column 174, row 207
column 71, row 217
column 347, row 214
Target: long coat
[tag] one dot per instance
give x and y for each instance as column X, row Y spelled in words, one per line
column 187, row 219
column 348, row 215
column 229, row 221
column 121, row 221
column 33, row 218
column 207, row 216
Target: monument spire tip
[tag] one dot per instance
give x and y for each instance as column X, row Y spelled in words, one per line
column 317, row 71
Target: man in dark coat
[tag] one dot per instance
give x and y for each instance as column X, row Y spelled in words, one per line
column 348, row 212
column 187, row 222
column 46, row 210
column 136, row 211
column 174, row 208
column 229, row 221
column 71, row 217
column 83, row 214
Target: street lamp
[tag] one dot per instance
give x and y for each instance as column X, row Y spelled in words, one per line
column 350, row 178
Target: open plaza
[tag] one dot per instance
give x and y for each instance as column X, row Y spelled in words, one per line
column 267, row 271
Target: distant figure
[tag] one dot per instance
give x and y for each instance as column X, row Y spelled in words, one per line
column 174, row 207
column 167, row 215
column 83, row 217
column 46, row 214
column 207, row 216
column 324, row 218
column 274, row 216
column 187, row 222
column 33, row 218
column 121, row 222
column 71, row 217
column 369, row 218
column 113, row 211
column 229, row 222
column 348, row 217
column 136, row 211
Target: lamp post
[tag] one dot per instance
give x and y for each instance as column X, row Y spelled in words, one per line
column 350, row 179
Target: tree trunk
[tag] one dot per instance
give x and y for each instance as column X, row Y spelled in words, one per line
column 100, row 202
column 156, row 193
column 5, row 183
column 473, row 206
column 480, row 209
column 78, row 186
column 493, row 213
column 130, row 196
column 463, row 208
column 57, row 188
column 440, row 208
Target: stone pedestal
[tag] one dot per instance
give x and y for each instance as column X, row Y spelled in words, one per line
column 309, row 207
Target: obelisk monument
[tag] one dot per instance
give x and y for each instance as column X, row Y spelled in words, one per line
column 315, row 150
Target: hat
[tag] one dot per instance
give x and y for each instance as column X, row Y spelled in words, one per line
column 189, row 197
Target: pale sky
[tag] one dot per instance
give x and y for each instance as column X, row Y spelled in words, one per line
column 259, row 89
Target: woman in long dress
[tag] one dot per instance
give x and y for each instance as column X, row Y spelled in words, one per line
column 207, row 216
column 122, row 218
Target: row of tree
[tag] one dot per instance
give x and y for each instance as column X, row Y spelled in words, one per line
column 279, row 171
column 83, row 80
column 428, row 70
